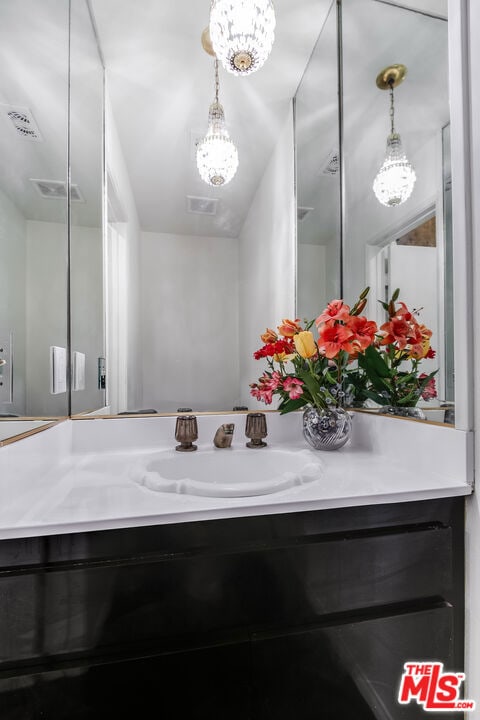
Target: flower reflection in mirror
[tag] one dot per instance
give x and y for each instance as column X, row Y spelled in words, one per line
column 242, row 33
column 217, row 156
column 395, row 179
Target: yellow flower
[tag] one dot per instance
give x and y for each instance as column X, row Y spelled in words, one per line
column 283, row 357
column 305, row 344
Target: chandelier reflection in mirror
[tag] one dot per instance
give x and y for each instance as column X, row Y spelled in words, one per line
column 217, row 156
column 395, row 179
column 242, row 33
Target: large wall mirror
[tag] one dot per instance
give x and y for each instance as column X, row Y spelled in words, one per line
column 34, row 43
column 341, row 221
column 51, row 129
column 172, row 281
column 194, row 273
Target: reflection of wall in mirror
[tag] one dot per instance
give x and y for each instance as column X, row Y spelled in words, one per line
column 193, row 350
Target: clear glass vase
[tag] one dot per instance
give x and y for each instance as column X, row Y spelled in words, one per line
column 409, row 412
column 327, row 429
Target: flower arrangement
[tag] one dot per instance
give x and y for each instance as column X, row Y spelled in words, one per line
column 391, row 364
column 320, row 372
column 304, row 370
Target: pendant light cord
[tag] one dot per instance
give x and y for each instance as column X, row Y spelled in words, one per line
column 392, row 108
column 217, row 85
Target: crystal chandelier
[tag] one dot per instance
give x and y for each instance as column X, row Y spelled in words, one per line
column 395, row 179
column 242, row 33
column 217, row 156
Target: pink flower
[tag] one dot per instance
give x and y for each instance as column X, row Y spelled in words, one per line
column 266, row 386
column 293, row 386
column 429, row 391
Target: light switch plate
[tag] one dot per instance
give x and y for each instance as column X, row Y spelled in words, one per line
column 6, row 370
column 78, row 381
column 58, row 370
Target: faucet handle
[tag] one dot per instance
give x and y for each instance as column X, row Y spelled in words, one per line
column 256, row 429
column 186, row 430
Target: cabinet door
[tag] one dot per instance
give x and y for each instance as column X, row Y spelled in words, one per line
column 348, row 670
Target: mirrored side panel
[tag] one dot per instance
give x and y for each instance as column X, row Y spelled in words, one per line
column 33, row 208
column 397, row 223
column 86, row 216
column 318, row 176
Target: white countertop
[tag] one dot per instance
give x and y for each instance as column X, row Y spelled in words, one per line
column 77, row 476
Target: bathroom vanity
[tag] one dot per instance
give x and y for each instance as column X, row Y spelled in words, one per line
column 303, row 603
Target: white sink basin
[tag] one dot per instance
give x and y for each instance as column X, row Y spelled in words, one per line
column 232, row 472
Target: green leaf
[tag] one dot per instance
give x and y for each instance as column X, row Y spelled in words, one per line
column 371, row 360
column 287, row 406
column 311, row 384
column 395, row 294
column 380, row 399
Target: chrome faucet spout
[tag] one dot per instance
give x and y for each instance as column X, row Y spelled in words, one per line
column 224, row 435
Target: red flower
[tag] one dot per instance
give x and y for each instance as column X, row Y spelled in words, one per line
column 334, row 337
column 335, row 310
column 276, row 348
column 363, row 330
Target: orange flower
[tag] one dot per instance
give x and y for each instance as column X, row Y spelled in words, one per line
column 269, row 336
column 397, row 331
column 335, row 310
column 363, row 330
column 421, row 347
column 289, row 328
column 332, row 338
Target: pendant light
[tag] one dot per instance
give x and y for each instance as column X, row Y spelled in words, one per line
column 395, row 179
column 242, row 33
column 217, row 156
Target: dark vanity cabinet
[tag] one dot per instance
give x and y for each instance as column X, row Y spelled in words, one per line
column 300, row 616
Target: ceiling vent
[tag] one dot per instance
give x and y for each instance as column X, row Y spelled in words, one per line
column 24, row 123
column 331, row 166
column 57, row 190
column 201, row 205
column 302, row 213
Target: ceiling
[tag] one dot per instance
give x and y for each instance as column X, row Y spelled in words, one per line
column 375, row 35
column 160, row 83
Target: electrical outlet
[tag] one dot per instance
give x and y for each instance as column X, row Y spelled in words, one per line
column 6, row 371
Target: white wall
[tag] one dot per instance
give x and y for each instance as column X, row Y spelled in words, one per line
column 311, row 288
column 13, row 233
column 118, row 172
column 46, row 305
column 86, row 292
column 189, row 322
column 268, row 258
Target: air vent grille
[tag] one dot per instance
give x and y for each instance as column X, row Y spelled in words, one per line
column 201, row 205
column 331, row 166
column 302, row 213
column 24, row 123
column 57, row 190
